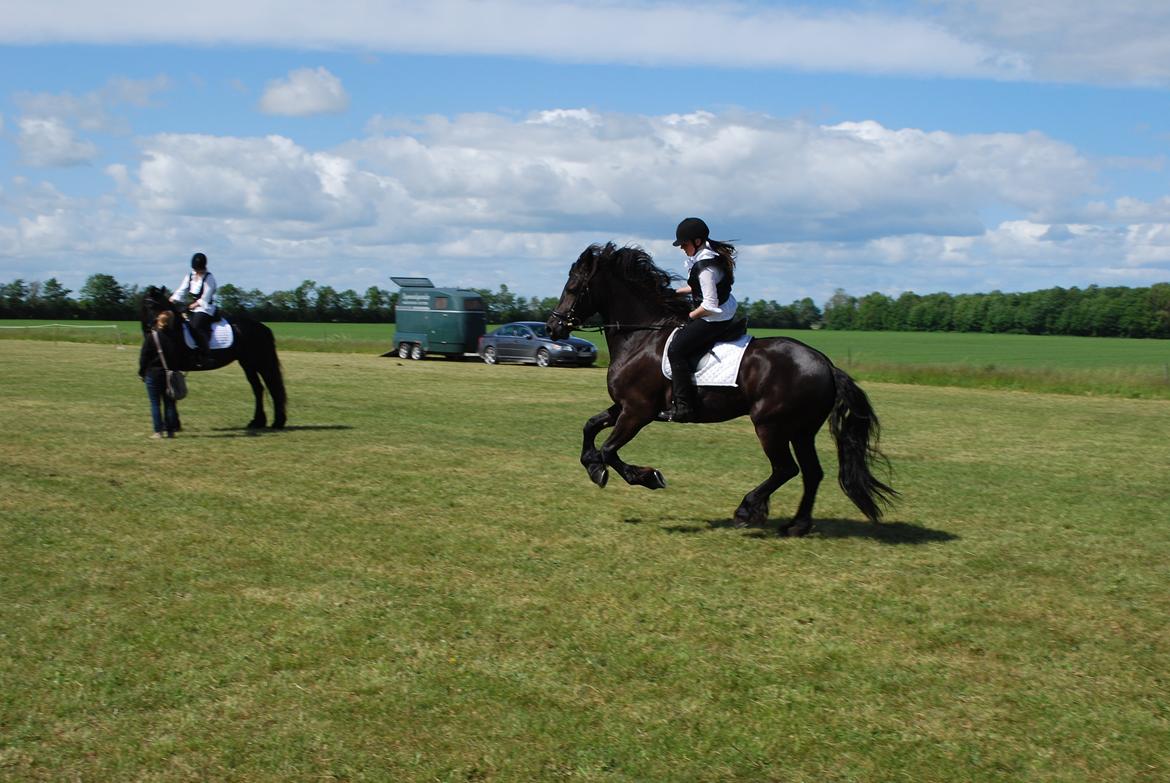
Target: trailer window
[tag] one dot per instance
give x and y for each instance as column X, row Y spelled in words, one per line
column 440, row 303
column 472, row 304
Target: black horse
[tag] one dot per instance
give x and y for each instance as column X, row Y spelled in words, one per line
column 253, row 346
column 787, row 388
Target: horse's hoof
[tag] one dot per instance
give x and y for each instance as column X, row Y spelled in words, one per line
column 257, row 424
column 751, row 516
column 599, row 475
column 655, row 480
column 278, row 424
column 797, row 528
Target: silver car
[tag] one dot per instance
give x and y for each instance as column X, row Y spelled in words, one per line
column 528, row 342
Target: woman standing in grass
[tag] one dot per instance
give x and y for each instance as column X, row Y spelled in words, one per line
column 156, row 347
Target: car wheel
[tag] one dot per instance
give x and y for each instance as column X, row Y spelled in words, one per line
column 416, row 352
column 489, row 355
column 542, row 358
column 403, row 350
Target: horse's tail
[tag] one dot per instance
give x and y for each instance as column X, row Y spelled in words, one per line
column 856, row 429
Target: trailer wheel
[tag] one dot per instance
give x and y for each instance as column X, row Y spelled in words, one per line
column 403, row 350
column 542, row 358
column 416, row 352
column 489, row 355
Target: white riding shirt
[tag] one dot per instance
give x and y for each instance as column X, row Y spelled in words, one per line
column 203, row 292
column 708, row 279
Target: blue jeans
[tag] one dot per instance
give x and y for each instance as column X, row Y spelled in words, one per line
column 156, row 390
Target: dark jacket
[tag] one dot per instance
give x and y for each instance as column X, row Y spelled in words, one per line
column 148, row 358
column 722, row 288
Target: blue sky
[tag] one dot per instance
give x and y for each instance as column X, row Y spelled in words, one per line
column 944, row 145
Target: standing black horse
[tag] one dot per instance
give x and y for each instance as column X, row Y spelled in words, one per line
column 787, row 388
column 253, row 346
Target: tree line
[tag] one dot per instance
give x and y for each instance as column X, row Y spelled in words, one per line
column 103, row 297
column 1095, row 311
column 1092, row 311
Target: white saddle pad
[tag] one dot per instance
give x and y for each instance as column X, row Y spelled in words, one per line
column 718, row 367
column 222, row 335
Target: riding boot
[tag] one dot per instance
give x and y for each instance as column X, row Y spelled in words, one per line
column 686, row 403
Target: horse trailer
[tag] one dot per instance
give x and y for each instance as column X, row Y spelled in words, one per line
column 443, row 321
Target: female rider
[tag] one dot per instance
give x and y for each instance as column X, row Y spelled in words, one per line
column 710, row 268
column 200, row 285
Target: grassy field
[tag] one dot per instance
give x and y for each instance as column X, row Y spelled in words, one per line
column 1064, row 365
column 417, row 582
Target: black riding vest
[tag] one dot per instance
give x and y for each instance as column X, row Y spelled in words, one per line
column 722, row 288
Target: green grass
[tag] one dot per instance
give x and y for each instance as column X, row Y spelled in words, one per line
column 417, row 582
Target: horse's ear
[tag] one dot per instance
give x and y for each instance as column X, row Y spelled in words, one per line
column 586, row 263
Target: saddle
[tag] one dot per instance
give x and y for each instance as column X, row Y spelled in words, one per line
column 720, row 365
column 222, row 335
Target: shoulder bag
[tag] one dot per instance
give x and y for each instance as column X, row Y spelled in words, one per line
column 176, row 381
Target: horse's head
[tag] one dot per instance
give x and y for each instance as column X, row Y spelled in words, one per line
column 155, row 300
column 576, row 304
column 620, row 283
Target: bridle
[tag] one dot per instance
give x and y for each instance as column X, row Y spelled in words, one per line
column 569, row 319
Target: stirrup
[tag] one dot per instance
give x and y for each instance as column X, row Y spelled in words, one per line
column 684, row 414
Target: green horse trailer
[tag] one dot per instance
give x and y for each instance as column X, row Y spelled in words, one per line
column 443, row 321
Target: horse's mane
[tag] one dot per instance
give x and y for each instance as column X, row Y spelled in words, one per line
column 634, row 267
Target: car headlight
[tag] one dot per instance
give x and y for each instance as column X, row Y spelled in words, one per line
column 559, row 347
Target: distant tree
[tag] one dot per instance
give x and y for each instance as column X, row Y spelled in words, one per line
column 14, row 299
column 1158, row 307
column 102, row 296
column 304, row 299
column 872, row 310
column 231, row 298
column 349, row 306
column 840, row 310
column 376, row 304
column 54, row 300
column 808, row 315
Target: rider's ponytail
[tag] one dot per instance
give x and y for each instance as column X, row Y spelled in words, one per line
column 725, row 251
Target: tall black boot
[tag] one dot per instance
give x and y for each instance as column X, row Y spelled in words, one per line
column 686, row 399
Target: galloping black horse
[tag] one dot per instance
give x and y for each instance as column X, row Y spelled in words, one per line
column 787, row 388
column 253, row 347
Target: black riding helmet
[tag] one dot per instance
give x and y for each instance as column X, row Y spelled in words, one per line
column 199, row 262
column 692, row 229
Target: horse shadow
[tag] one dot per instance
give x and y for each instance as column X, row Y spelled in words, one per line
column 256, row 432
column 890, row 533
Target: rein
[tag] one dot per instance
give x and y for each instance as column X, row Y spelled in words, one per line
column 624, row 327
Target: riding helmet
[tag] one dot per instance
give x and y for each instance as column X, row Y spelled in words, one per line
column 690, row 230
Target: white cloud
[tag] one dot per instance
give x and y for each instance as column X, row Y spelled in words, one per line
column 49, row 142
column 305, row 92
column 91, row 111
column 50, row 124
column 1121, row 42
column 1126, row 41
column 494, row 199
column 745, row 35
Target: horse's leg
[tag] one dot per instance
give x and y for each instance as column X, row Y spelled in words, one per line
column 259, row 419
column 624, row 429
column 274, row 380
column 590, row 457
column 753, row 509
column 811, row 474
